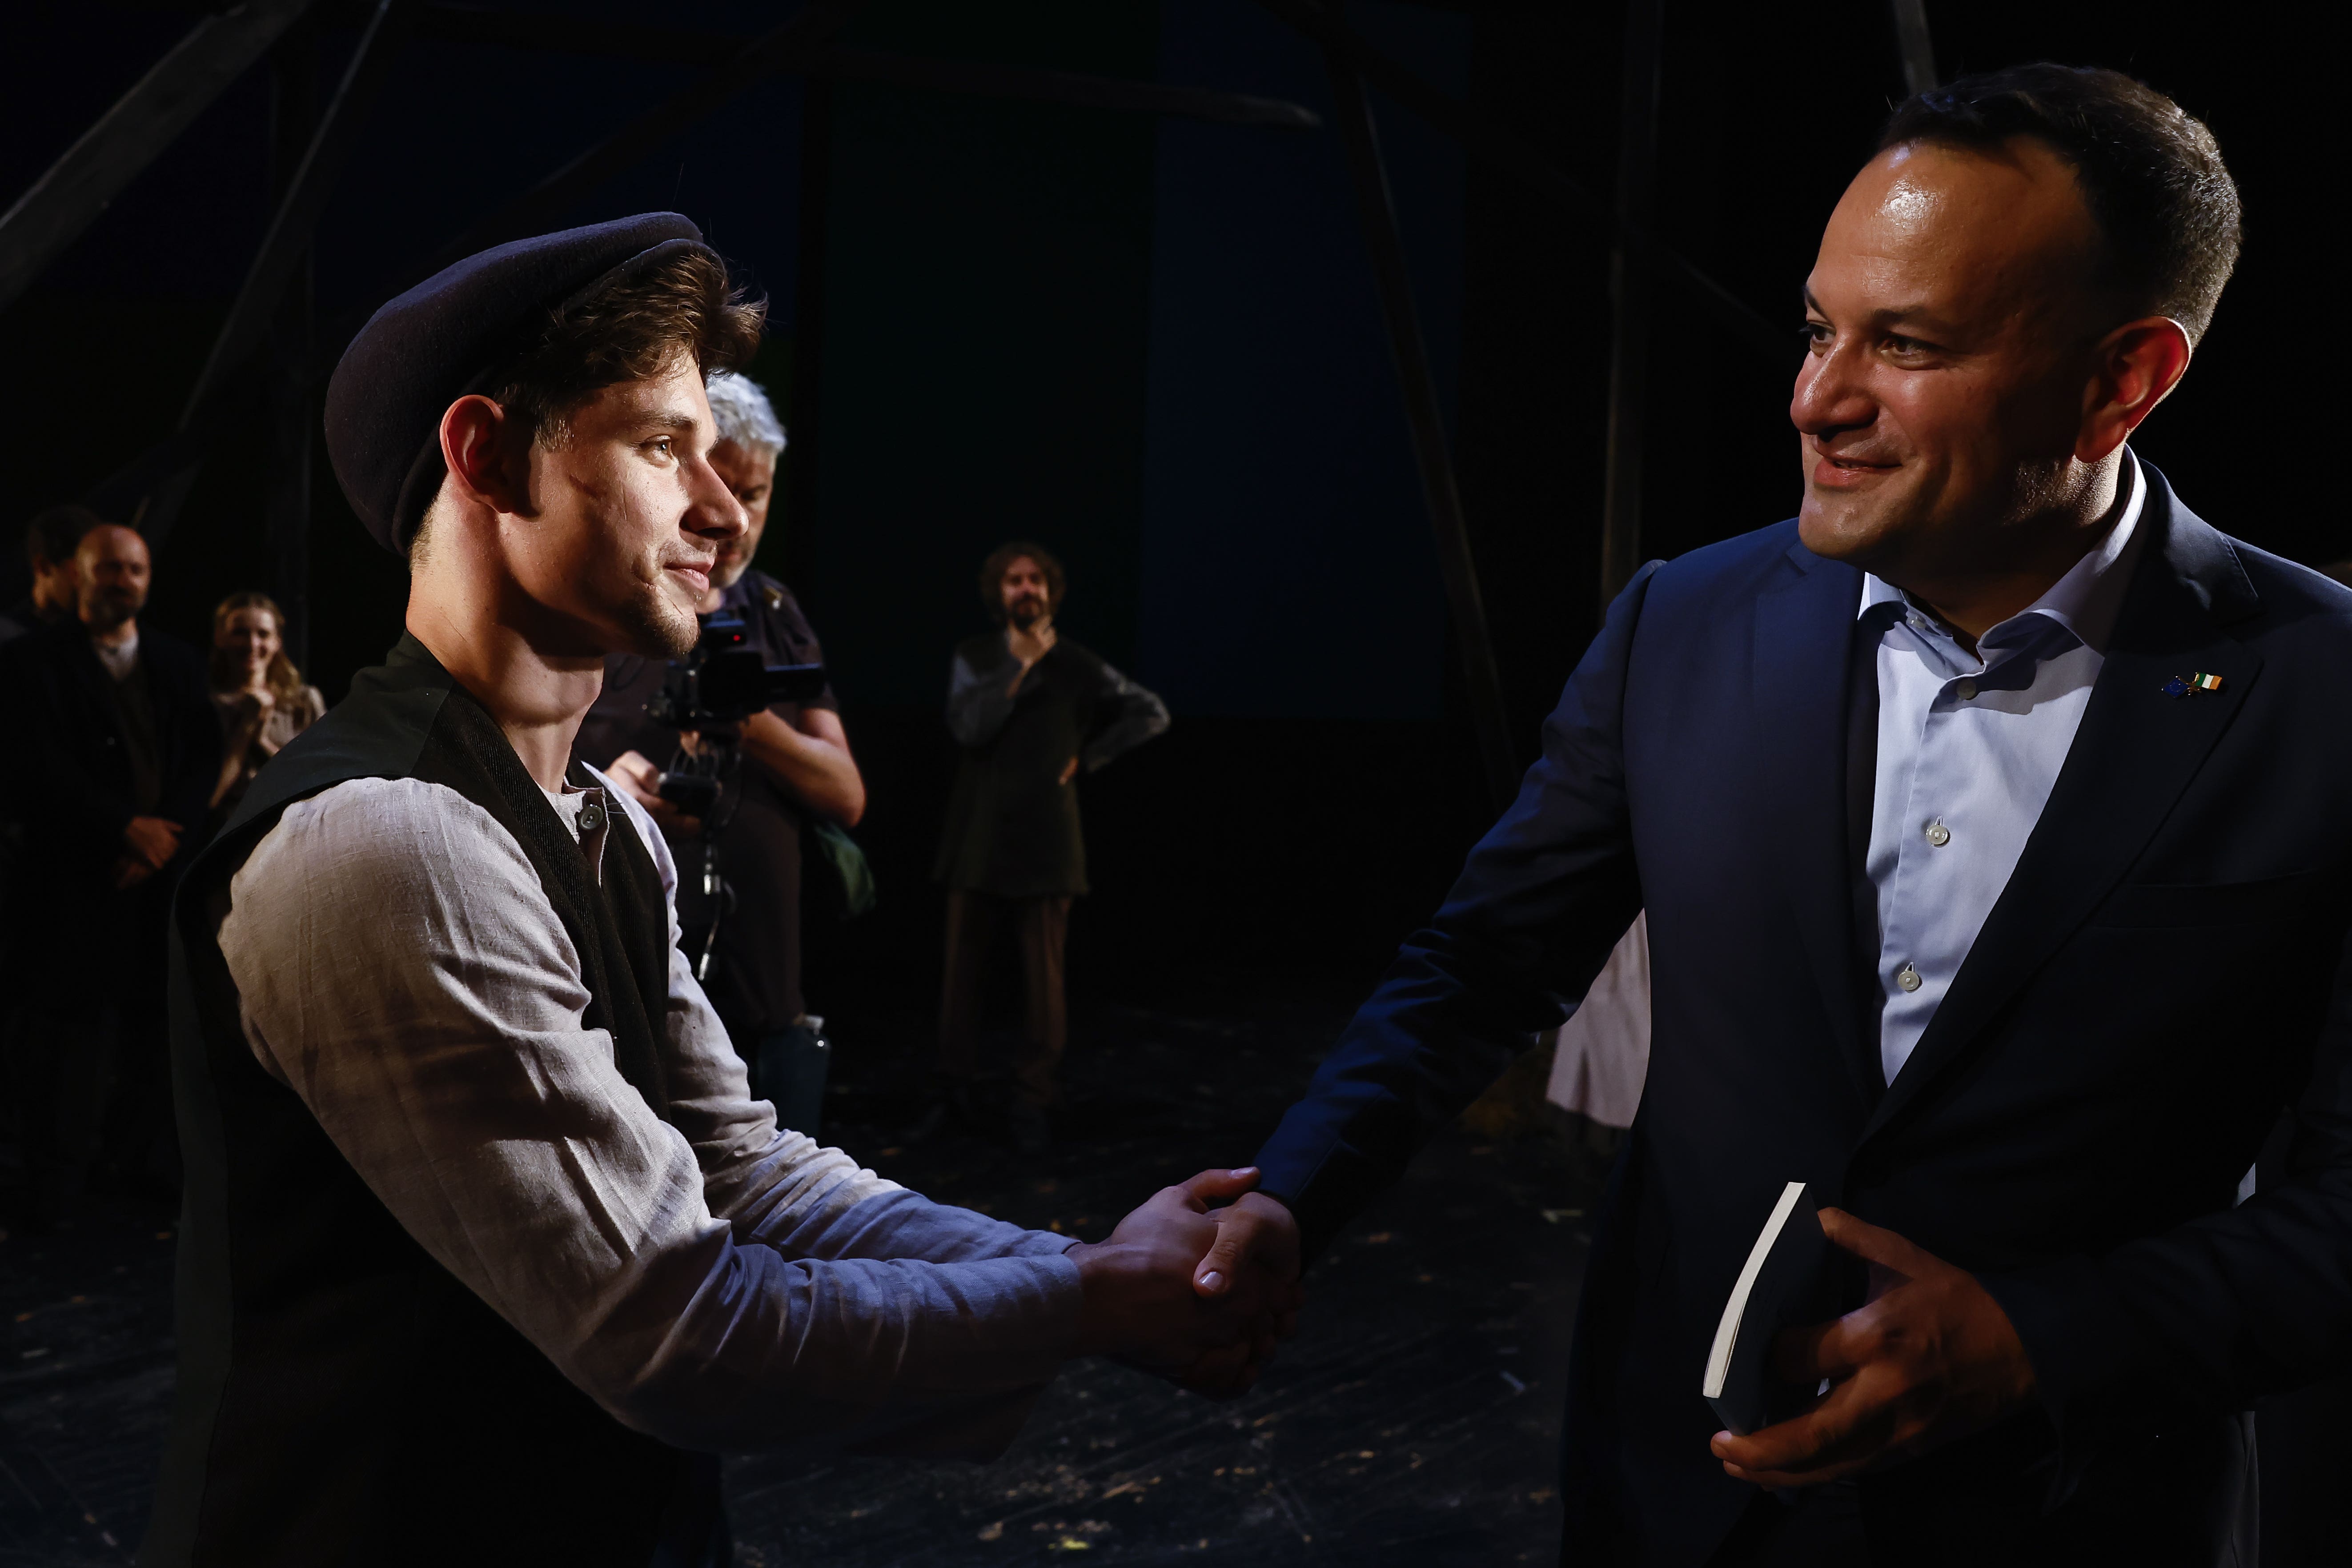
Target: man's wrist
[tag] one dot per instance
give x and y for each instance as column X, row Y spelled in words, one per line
column 1097, row 1264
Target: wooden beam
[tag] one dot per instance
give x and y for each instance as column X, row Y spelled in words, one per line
column 811, row 29
column 296, row 118
column 1630, row 274
column 543, row 31
column 285, row 246
column 1376, row 208
column 65, row 200
column 1918, row 46
column 805, row 406
column 1486, row 138
column 1064, row 88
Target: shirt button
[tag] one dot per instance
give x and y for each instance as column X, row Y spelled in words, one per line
column 1907, row 978
column 1939, row 835
column 1966, row 691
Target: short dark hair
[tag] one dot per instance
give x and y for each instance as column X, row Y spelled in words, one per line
column 54, row 533
column 683, row 304
column 999, row 561
column 2152, row 175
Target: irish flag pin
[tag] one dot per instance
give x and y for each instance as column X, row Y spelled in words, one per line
column 2200, row 681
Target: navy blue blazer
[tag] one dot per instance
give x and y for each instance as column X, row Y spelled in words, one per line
column 2165, row 971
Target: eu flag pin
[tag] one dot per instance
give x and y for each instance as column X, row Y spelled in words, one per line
column 2200, row 681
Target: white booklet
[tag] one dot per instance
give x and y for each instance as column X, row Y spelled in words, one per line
column 1777, row 1288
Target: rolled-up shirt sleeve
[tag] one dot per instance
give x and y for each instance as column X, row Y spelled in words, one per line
column 709, row 1279
column 980, row 699
column 1126, row 715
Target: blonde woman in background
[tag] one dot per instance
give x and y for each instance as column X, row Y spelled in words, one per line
column 257, row 694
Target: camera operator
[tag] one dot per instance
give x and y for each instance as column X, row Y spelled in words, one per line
column 795, row 765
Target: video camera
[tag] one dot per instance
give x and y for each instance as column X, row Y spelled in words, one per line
column 724, row 680
column 711, row 691
column 718, row 684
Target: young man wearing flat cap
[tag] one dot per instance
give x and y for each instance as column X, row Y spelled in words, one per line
column 486, row 1243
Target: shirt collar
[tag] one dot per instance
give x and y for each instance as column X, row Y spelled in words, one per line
column 2085, row 601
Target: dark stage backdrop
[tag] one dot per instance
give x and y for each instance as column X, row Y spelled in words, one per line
column 1153, row 344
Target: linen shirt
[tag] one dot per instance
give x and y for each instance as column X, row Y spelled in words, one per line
column 1969, row 746
column 715, row 1280
column 1013, row 827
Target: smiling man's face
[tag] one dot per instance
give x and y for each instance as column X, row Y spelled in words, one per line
column 629, row 519
column 1950, row 314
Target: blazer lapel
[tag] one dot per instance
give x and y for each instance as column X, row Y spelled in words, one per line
column 1804, row 637
column 2136, row 750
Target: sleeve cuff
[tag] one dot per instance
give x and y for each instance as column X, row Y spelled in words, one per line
column 2088, row 1352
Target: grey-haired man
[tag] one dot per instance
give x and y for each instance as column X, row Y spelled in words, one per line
column 797, row 773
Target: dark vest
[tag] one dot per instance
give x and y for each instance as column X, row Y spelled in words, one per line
column 343, row 1398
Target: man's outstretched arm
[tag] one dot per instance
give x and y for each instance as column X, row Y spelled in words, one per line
column 452, row 1069
column 1543, row 898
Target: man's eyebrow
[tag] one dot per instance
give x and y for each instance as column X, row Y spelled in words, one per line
column 1918, row 312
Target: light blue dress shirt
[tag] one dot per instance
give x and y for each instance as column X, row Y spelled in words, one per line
column 1969, row 749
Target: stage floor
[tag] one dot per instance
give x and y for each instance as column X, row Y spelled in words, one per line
column 1413, row 1421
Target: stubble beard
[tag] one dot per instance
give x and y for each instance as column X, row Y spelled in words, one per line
column 104, row 611
column 729, row 569
column 661, row 627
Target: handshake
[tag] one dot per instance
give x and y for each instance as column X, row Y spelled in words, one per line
column 1196, row 1295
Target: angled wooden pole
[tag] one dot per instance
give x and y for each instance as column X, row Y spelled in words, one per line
column 285, row 248
column 66, row 199
column 783, row 47
column 1486, row 138
column 805, row 410
column 296, row 115
column 1078, row 91
column 1376, row 208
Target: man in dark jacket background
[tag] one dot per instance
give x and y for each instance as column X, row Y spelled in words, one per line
column 51, row 538
column 1029, row 708
column 120, row 750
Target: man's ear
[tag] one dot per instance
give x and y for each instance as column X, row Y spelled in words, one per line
column 488, row 462
column 2134, row 368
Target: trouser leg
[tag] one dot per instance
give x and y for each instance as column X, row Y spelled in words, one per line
column 140, row 1140
column 64, row 1062
column 971, row 917
column 1044, row 938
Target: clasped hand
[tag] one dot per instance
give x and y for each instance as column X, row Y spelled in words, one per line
column 1929, row 1357
column 1148, row 1299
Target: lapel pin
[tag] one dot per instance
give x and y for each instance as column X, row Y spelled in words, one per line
column 2199, row 681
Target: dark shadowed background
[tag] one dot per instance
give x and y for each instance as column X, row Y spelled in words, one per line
column 1152, row 342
